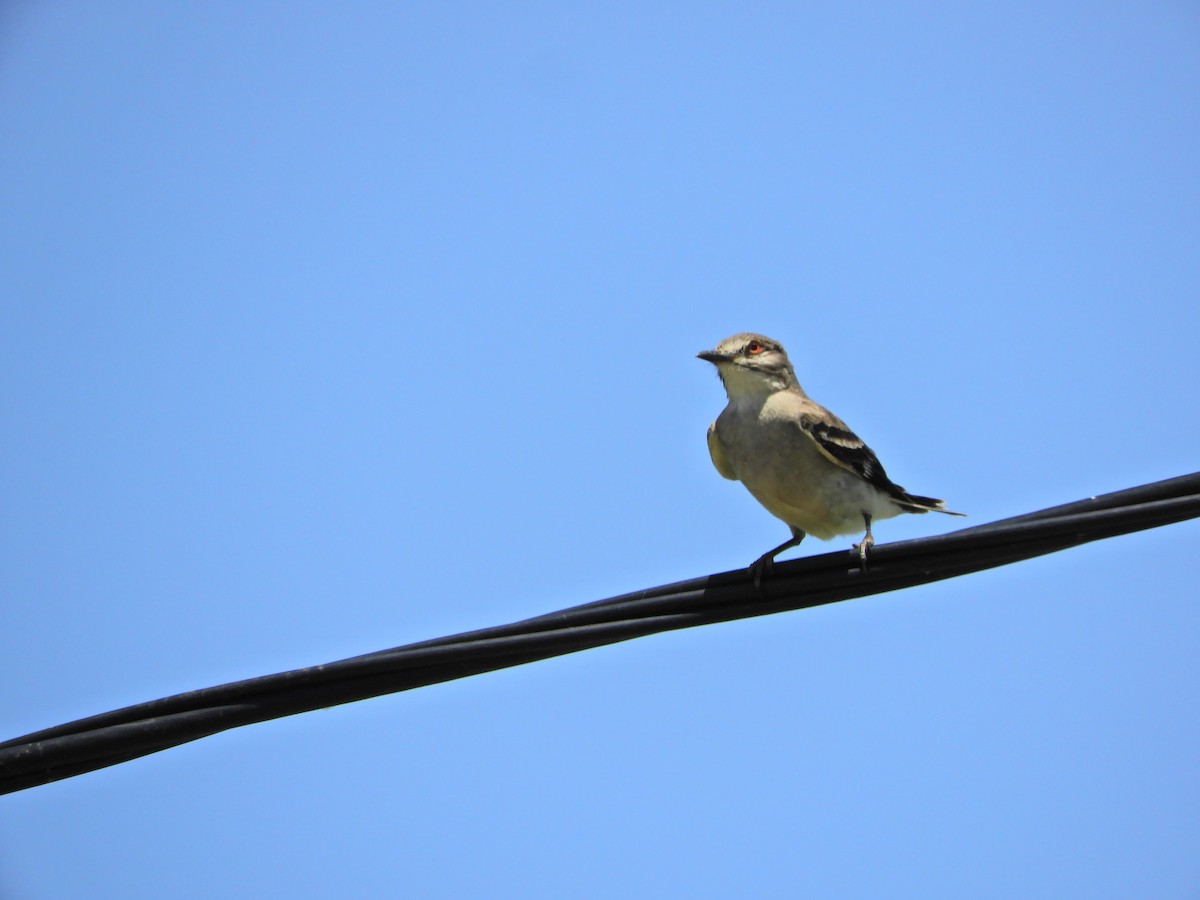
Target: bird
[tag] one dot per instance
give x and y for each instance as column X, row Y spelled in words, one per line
column 794, row 456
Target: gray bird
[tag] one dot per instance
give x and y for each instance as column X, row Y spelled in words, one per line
column 794, row 456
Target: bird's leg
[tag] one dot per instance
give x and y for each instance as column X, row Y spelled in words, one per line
column 766, row 562
column 866, row 544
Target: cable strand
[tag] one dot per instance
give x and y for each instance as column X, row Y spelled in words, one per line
column 121, row 735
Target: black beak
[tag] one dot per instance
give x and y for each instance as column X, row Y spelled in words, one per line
column 712, row 356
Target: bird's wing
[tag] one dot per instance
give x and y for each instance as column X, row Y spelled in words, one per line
column 843, row 447
column 717, row 452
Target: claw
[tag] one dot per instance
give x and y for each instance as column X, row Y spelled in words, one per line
column 865, row 544
column 766, row 562
column 761, row 567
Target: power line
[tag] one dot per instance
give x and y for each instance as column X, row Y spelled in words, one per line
column 124, row 734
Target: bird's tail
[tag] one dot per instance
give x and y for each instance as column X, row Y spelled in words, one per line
column 916, row 504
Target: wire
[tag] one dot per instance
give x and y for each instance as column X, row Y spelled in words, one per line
column 124, row 734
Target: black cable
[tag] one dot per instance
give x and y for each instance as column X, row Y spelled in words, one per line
column 125, row 734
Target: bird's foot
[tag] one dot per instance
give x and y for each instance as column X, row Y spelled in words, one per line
column 863, row 548
column 766, row 562
column 760, row 567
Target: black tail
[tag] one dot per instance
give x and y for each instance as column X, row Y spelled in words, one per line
column 914, row 503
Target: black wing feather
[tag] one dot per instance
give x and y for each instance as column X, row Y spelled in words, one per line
column 846, row 448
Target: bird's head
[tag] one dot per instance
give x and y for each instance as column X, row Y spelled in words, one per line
column 751, row 364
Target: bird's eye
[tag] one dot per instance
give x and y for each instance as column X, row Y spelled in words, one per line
column 754, row 348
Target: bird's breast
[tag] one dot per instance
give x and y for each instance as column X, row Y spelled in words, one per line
column 783, row 469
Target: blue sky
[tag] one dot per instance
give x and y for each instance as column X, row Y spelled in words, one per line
column 328, row 328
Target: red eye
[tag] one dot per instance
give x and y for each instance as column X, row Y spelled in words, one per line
column 754, row 347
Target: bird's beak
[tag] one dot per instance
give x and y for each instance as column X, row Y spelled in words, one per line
column 712, row 356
